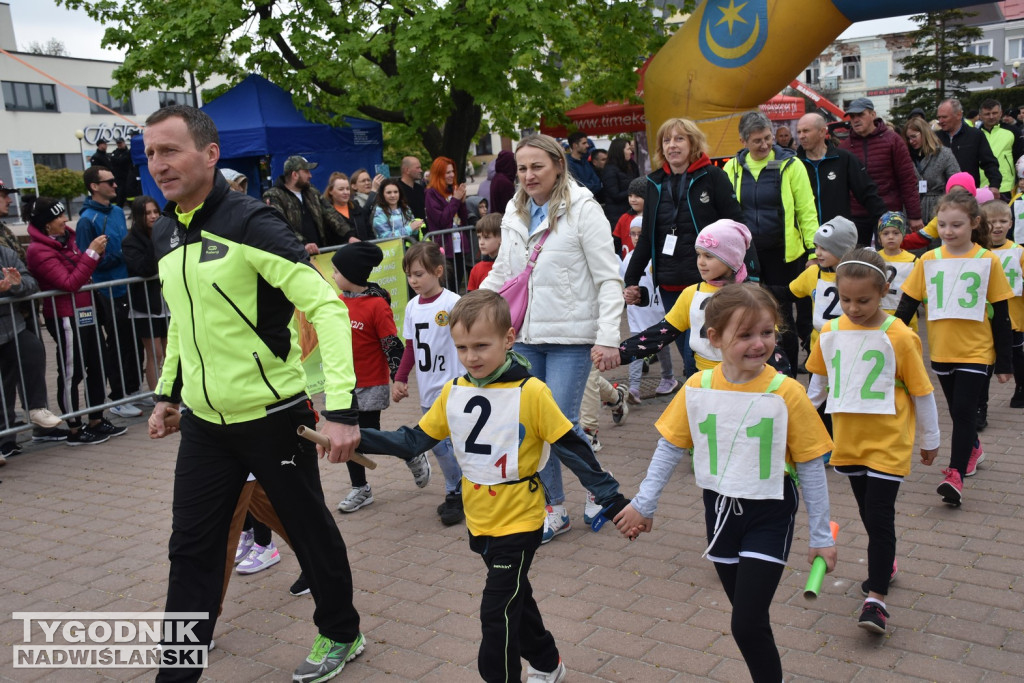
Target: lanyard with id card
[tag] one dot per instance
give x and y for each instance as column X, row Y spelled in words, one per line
column 85, row 317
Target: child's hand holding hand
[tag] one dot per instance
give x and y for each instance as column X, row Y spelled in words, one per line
column 928, row 455
column 399, row 390
column 631, row 523
column 828, row 554
column 1003, row 377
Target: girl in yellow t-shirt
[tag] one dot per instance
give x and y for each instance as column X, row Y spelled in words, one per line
column 721, row 249
column 748, row 426
column 868, row 369
column 969, row 332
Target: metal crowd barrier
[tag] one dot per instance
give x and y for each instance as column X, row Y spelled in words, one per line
column 130, row 371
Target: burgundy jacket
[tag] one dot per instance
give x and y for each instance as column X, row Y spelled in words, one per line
column 887, row 159
column 441, row 212
column 59, row 266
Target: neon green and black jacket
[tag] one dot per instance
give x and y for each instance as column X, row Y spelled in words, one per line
column 232, row 279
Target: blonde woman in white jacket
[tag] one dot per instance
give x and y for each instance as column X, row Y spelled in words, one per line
column 575, row 289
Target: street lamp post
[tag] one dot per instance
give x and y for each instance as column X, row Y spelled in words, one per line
column 80, row 134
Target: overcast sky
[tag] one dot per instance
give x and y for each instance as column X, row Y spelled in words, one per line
column 40, row 20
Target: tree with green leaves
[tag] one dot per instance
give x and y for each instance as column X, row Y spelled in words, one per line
column 59, row 182
column 438, row 69
column 941, row 66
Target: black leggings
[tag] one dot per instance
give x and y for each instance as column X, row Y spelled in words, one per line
column 368, row 419
column 775, row 271
column 876, row 502
column 260, row 531
column 963, row 391
column 750, row 585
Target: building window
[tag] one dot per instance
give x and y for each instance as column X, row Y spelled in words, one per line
column 895, row 102
column 812, row 74
column 50, row 160
column 169, row 98
column 1014, row 49
column 102, row 95
column 851, row 68
column 29, row 96
column 897, row 61
column 982, row 48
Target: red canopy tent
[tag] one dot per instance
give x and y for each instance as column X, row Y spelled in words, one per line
column 601, row 119
column 783, row 108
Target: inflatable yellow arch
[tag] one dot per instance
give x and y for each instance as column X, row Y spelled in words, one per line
column 732, row 55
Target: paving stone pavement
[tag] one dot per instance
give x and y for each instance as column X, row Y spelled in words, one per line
column 86, row 529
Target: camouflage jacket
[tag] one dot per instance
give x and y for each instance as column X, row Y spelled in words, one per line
column 328, row 224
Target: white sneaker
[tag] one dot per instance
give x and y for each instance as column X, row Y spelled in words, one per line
column 591, row 510
column 557, row 522
column 126, row 410
column 595, row 443
column 358, row 497
column 259, row 558
column 42, row 417
column 556, row 676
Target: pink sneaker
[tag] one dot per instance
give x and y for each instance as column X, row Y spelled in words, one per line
column 977, row 456
column 634, row 397
column 951, row 488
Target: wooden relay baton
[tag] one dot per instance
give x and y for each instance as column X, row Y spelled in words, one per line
column 321, row 440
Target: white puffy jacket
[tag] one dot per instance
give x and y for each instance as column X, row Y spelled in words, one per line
column 575, row 288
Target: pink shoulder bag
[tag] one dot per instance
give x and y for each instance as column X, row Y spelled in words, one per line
column 517, row 290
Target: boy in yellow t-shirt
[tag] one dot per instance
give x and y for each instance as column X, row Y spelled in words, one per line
column 1000, row 221
column 892, row 228
column 501, row 421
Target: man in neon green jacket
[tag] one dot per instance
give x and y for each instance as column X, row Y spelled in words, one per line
column 233, row 274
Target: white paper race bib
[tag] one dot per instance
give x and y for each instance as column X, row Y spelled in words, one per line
column 669, row 247
column 699, row 342
column 957, row 287
column 484, row 426
column 922, row 186
column 457, row 242
column 826, row 303
column 1010, row 259
column 739, row 442
column 861, row 368
column 895, row 274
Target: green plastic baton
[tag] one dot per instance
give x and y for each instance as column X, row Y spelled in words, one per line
column 818, row 567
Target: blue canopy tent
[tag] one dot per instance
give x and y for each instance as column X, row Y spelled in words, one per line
column 257, row 119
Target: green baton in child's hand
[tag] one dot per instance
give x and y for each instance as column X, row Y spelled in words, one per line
column 818, row 568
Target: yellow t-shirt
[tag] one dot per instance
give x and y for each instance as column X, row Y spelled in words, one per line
column 505, row 509
column 952, row 340
column 806, row 437
column 902, row 257
column 882, row 442
column 806, row 283
column 679, row 317
column 1016, row 303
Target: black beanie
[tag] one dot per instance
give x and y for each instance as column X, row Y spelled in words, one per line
column 356, row 260
column 45, row 210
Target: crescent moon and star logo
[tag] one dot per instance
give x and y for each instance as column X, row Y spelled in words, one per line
column 732, row 34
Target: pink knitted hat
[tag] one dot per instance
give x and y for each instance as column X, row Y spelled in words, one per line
column 728, row 242
column 962, row 179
